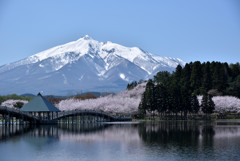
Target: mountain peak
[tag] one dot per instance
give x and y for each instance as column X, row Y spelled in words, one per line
column 87, row 37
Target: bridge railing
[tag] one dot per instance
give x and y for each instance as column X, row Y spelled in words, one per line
column 102, row 113
column 65, row 113
column 17, row 111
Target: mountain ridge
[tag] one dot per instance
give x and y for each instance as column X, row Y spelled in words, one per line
column 93, row 64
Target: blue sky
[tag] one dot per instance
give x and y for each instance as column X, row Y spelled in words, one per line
column 204, row 30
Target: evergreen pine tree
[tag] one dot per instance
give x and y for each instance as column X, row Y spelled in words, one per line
column 186, row 101
column 178, row 73
column 184, row 89
column 196, row 77
column 174, row 98
column 149, row 94
column 208, row 105
column 211, row 105
column 142, row 106
column 163, row 77
column 234, row 87
column 161, row 98
column 207, row 80
column 204, row 103
column 219, row 77
column 194, row 104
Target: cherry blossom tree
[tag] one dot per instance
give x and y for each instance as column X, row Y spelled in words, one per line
column 126, row 102
column 12, row 103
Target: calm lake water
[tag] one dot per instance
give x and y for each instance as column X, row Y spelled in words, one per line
column 123, row 141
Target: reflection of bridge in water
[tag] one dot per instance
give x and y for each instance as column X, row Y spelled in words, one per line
column 48, row 131
column 10, row 116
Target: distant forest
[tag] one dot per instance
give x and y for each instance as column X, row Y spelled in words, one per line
column 177, row 92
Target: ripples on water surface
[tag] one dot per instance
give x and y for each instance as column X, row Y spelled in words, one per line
column 131, row 141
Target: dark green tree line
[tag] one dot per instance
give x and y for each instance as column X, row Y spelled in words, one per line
column 176, row 93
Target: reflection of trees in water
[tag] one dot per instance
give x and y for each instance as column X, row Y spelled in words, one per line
column 192, row 140
column 180, row 133
column 208, row 133
column 177, row 135
column 183, row 137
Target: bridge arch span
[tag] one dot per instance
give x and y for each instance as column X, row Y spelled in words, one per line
column 104, row 115
column 9, row 113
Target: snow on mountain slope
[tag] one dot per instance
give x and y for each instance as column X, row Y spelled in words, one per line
column 84, row 64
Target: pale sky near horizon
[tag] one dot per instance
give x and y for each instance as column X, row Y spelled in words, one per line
column 204, row 30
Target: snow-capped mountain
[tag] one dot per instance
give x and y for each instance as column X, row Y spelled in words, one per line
column 82, row 65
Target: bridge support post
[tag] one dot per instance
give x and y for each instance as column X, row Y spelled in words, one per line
column 48, row 115
column 80, row 118
column 5, row 120
column 83, row 119
column 22, row 120
column 39, row 116
column 57, row 117
column 8, row 119
column 12, row 120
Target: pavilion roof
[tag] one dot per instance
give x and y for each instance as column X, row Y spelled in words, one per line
column 39, row 104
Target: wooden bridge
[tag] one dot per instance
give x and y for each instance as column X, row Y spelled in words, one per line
column 11, row 116
column 91, row 115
